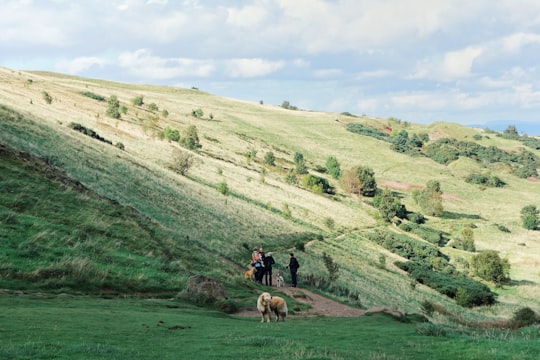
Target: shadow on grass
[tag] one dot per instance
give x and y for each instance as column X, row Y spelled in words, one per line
column 456, row 216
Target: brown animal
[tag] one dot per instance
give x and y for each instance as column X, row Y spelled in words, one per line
column 263, row 305
column 279, row 307
column 250, row 274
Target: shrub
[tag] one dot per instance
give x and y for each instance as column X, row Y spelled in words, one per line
column 223, row 188
column 182, row 162
column 368, row 184
column 191, row 138
column 430, row 198
column 120, row 146
column 91, row 95
column 113, row 110
column 529, row 217
column 368, row 131
column 316, row 184
column 524, row 317
column 332, row 165
column 197, row 113
column 171, row 135
column 269, row 158
column 153, row 107
column 331, row 266
column 48, row 98
column 389, row 206
column 491, row 267
column 138, row 101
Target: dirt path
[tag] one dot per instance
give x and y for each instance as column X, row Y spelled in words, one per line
column 319, row 305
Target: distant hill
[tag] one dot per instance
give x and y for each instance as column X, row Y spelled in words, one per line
column 524, row 127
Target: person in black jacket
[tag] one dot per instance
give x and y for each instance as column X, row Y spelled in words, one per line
column 268, row 262
column 293, row 266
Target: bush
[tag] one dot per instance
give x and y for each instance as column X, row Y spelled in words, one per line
column 316, row 184
column 113, row 110
column 48, row 98
column 182, row 161
column 91, row 95
column 138, row 101
column 269, row 158
column 524, row 317
column 331, row 266
column 332, row 165
column 491, row 267
column 529, row 217
column 191, row 138
column 223, row 188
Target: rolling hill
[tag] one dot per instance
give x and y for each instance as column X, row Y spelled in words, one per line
column 117, row 212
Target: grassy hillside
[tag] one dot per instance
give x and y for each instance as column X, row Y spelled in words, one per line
column 140, row 210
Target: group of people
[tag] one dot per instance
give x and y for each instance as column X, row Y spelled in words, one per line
column 263, row 264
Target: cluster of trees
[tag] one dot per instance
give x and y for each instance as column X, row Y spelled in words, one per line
column 190, row 140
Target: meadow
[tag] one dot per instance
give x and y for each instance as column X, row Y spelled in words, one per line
column 78, row 327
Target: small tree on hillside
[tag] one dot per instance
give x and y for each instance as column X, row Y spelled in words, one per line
column 491, row 267
column 368, row 185
column 191, row 138
column 389, row 205
column 430, row 198
column 269, row 158
column 331, row 266
column 529, row 217
column 113, row 110
column 138, row 101
column 333, row 168
column 182, row 161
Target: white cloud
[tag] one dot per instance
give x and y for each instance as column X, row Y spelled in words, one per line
column 515, row 42
column 247, row 16
column 80, row 64
column 144, row 64
column 328, row 73
column 249, row 68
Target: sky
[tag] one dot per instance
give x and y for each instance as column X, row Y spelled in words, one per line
column 422, row 61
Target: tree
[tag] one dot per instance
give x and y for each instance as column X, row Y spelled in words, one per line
column 332, row 165
column 269, row 158
column 529, row 217
column 191, row 138
column 430, row 198
column 182, row 161
column 389, row 206
column 198, row 113
column 331, row 266
column 350, row 182
column 113, row 110
column 491, row 267
column 368, row 185
column 138, row 101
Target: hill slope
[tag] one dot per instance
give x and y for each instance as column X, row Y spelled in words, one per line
column 194, row 216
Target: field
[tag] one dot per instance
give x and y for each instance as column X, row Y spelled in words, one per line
column 83, row 220
column 68, row 327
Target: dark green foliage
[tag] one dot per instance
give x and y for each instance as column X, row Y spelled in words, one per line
column 368, row 184
column 91, row 95
column 389, row 206
column 317, row 184
column 138, row 101
column 466, row 291
column 483, row 179
column 120, row 146
column 406, row 246
column 270, row 158
column 368, row 131
column 197, row 113
column 524, row 316
column 333, row 168
column 489, row 266
column 291, row 178
column 409, row 145
column 446, row 150
column 416, row 218
column 287, row 105
column 434, row 236
column 331, row 266
column 171, row 134
column 89, row 132
column 113, row 109
column 529, row 217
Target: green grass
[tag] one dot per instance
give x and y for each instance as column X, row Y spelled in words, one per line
column 66, row 327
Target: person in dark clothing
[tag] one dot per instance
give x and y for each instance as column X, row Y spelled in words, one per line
column 293, row 266
column 268, row 262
